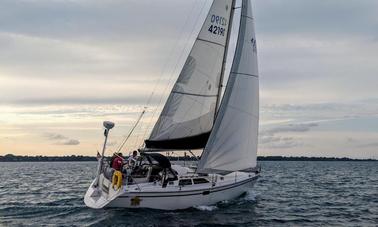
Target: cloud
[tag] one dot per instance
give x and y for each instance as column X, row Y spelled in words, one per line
column 114, row 20
column 350, row 140
column 368, row 145
column 131, row 100
column 304, row 127
column 362, row 143
column 279, row 142
column 335, row 16
column 111, row 143
column 61, row 139
column 69, row 142
column 319, row 56
column 320, row 112
column 54, row 136
column 59, row 49
column 268, row 138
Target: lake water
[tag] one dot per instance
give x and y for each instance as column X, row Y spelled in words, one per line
column 287, row 194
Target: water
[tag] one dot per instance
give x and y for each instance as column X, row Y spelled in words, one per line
column 287, row 194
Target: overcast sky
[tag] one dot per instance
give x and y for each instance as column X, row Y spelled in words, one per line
column 67, row 65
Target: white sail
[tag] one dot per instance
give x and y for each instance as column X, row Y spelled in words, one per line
column 232, row 145
column 188, row 115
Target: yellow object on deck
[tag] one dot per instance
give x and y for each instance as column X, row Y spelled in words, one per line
column 117, row 179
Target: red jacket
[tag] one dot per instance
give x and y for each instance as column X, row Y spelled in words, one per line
column 117, row 163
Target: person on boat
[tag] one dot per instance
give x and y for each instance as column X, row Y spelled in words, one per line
column 117, row 162
column 133, row 159
column 112, row 159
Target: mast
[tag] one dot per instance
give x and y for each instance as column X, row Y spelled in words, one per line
column 224, row 59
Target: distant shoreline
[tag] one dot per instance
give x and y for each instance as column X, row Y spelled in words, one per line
column 80, row 158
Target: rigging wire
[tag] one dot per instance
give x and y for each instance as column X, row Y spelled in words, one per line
column 167, row 61
column 131, row 131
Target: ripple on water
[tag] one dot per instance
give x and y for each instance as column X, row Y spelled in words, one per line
column 287, row 194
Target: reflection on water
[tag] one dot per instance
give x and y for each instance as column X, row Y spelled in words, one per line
column 288, row 193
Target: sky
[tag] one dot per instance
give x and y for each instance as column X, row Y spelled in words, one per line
column 68, row 65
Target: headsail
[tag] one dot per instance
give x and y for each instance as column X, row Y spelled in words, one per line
column 188, row 115
column 232, row 145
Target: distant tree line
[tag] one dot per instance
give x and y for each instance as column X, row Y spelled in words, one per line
column 81, row 158
column 302, row 158
column 40, row 158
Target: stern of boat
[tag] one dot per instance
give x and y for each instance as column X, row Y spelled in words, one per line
column 101, row 195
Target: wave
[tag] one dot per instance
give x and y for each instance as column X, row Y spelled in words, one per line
column 206, row 208
column 251, row 196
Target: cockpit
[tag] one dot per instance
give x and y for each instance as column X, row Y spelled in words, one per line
column 149, row 167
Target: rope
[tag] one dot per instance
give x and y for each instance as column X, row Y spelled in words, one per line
column 131, row 131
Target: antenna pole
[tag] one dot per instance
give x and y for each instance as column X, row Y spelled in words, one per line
column 107, row 125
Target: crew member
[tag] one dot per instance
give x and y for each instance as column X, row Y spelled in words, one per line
column 118, row 162
column 132, row 159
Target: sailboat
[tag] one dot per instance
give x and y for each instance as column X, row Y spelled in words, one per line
column 195, row 116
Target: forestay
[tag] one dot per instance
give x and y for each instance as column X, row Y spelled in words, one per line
column 188, row 115
column 232, row 145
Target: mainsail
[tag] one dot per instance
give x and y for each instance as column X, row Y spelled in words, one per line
column 232, row 145
column 188, row 115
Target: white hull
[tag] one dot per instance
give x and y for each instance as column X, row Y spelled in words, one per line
column 174, row 197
